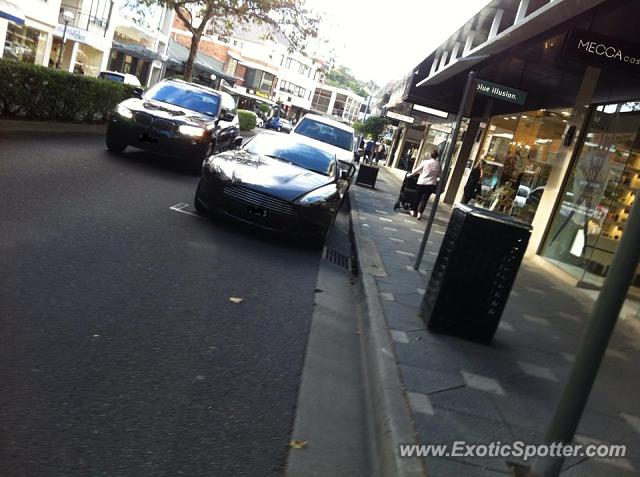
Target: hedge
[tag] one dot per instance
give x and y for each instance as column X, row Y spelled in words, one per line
column 247, row 119
column 36, row 92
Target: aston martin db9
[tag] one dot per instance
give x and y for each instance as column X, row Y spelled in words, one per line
column 281, row 183
column 175, row 118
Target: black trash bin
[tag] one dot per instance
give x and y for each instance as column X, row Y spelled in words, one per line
column 475, row 269
column 367, row 175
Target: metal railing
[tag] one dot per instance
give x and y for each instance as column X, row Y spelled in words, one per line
column 83, row 19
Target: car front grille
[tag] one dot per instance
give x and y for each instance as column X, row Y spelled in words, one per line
column 144, row 119
column 258, row 199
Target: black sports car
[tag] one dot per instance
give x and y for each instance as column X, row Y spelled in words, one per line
column 175, row 118
column 283, row 183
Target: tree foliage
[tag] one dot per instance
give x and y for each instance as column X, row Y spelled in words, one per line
column 342, row 77
column 289, row 17
column 373, row 127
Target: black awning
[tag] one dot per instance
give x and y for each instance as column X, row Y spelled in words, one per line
column 138, row 51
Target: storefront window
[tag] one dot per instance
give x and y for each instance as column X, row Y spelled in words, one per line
column 24, row 44
column 88, row 61
column 520, row 152
column 599, row 194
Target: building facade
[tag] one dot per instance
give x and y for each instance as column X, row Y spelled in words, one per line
column 341, row 103
column 555, row 117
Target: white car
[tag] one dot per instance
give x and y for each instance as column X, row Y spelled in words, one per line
column 338, row 136
column 125, row 78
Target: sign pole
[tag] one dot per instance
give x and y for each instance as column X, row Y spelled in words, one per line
column 467, row 97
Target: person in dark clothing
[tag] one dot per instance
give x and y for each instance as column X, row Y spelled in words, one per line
column 474, row 183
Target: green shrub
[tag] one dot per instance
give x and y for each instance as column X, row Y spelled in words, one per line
column 264, row 108
column 36, row 92
column 247, row 119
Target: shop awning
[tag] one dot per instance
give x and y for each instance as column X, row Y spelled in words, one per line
column 138, row 51
column 239, row 92
column 11, row 12
column 178, row 55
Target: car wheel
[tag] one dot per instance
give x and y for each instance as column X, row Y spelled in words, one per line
column 196, row 201
column 114, row 144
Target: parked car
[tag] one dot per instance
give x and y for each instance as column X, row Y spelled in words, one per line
column 175, row 118
column 281, row 183
column 259, row 122
column 338, row 136
column 125, row 78
column 279, row 124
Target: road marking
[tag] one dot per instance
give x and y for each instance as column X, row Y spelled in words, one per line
column 537, row 320
column 537, row 371
column 419, row 231
column 420, row 403
column 385, row 220
column 420, row 291
column 382, row 212
column 402, row 252
column 387, row 296
column 390, row 229
column 399, row 336
column 396, row 239
column 483, row 383
column 180, row 208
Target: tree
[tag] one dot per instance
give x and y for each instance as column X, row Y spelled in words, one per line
column 289, row 17
column 373, row 127
column 341, row 76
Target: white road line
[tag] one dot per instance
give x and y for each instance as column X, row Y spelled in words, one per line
column 180, row 208
column 382, row 212
column 402, row 252
column 396, row 239
column 399, row 336
column 419, row 231
column 420, row 403
column 390, row 229
column 385, row 220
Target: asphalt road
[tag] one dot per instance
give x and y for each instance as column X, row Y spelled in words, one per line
column 120, row 352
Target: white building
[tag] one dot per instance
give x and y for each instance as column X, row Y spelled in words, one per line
column 32, row 31
column 341, row 103
column 298, row 78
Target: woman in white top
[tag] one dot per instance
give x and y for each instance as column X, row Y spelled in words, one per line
column 428, row 173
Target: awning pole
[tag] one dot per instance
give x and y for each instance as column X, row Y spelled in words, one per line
column 467, row 96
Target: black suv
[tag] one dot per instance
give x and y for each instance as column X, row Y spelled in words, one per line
column 175, row 118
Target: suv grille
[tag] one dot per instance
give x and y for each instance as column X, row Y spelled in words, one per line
column 144, row 119
column 247, row 196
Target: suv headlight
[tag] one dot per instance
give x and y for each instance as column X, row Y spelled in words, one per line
column 192, row 131
column 124, row 112
column 318, row 196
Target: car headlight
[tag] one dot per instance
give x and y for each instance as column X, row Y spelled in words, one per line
column 318, row 196
column 124, row 112
column 192, row 131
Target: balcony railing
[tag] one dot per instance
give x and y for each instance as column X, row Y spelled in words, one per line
column 85, row 20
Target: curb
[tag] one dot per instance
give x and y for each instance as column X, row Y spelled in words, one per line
column 391, row 419
column 15, row 125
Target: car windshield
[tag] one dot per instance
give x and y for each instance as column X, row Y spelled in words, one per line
column 295, row 152
column 326, row 133
column 112, row 77
column 186, row 97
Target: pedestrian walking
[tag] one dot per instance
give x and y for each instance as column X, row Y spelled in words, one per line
column 368, row 151
column 380, row 152
column 428, row 172
column 473, row 187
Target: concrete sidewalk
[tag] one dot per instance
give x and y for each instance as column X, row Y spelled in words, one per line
column 458, row 390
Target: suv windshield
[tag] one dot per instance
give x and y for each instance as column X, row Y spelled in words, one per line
column 325, row 133
column 290, row 150
column 185, row 97
column 111, row 77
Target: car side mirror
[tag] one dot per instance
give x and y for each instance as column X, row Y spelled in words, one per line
column 237, row 142
column 227, row 116
column 137, row 93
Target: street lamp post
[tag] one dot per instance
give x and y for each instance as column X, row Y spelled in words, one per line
column 68, row 17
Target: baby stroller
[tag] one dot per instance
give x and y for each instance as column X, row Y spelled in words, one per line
column 408, row 192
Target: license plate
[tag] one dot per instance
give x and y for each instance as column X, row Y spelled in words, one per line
column 257, row 211
column 146, row 137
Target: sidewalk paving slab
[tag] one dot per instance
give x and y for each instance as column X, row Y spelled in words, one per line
column 459, row 390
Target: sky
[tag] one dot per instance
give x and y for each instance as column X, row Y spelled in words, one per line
column 383, row 40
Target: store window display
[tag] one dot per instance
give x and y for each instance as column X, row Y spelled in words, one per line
column 599, row 193
column 24, row 44
column 520, row 152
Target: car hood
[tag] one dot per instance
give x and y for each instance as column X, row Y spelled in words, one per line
column 266, row 174
column 169, row 111
column 341, row 154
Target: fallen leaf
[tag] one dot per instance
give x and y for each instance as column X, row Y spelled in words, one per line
column 297, row 444
column 235, row 300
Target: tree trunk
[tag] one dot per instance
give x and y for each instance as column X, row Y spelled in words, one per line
column 188, row 68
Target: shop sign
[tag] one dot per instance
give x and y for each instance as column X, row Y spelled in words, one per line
column 79, row 36
column 603, row 51
column 495, row 90
column 157, row 64
column 400, row 117
column 262, row 95
column 441, row 128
